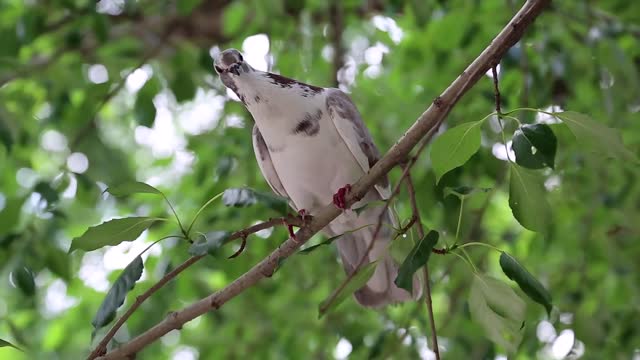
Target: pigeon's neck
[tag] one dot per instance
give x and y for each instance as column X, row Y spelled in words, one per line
column 277, row 99
column 273, row 92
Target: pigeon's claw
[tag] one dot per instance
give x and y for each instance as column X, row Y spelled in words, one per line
column 304, row 215
column 339, row 197
column 290, row 228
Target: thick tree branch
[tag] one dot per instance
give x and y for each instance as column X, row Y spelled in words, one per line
column 426, row 124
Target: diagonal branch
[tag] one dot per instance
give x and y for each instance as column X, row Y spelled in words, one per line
column 101, row 348
column 427, row 123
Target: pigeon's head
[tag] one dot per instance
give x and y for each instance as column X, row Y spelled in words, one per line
column 230, row 62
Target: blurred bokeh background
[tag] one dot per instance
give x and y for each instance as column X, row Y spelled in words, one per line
column 93, row 94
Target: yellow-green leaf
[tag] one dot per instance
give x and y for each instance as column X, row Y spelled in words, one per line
column 498, row 310
column 527, row 199
column 455, row 147
column 112, row 233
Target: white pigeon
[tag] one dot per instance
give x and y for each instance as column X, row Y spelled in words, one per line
column 311, row 143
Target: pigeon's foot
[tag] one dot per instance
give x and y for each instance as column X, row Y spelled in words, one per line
column 304, row 215
column 339, row 197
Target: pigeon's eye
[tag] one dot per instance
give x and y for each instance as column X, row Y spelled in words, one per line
column 241, row 59
column 218, row 69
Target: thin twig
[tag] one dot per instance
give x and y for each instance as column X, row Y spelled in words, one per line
column 428, row 122
column 337, row 28
column 496, row 90
column 241, row 234
column 427, row 282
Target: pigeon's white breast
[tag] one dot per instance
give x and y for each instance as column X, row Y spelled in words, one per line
column 311, row 168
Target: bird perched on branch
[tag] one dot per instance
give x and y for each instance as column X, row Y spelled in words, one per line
column 311, row 143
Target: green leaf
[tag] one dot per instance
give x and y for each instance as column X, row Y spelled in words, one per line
column 185, row 7
column 344, row 290
column 527, row 199
column 498, row 310
column 369, row 205
column 597, row 137
column 5, row 343
column 209, row 243
column 133, row 187
column 234, row 17
column 463, row 192
column 535, row 146
column 144, row 109
column 23, row 278
column 112, row 233
column 10, row 215
column 117, row 294
column 416, row 259
column 527, row 282
column 58, row 262
column 330, row 240
column 455, row 147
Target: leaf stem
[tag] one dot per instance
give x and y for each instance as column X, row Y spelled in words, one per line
column 174, row 213
column 200, row 211
column 459, row 222
column 475, row 243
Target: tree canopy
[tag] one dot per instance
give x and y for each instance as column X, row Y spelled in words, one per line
column 115, row 133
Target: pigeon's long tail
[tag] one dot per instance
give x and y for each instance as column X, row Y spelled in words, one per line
column 380, row 290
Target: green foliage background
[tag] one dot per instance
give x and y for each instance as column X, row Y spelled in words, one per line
column 579, row 55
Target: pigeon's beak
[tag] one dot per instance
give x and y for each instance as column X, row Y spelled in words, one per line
column 232, row 69
column 235, row 69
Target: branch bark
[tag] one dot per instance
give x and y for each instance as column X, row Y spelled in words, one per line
column 426, row 124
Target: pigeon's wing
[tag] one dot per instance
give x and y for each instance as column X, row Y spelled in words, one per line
column 354, row 133
column 266, row 165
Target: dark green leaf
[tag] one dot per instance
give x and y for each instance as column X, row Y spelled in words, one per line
column 5, row 343
column 6, row 136
column 117, row 294
column 498, row 310
column 535, row 146
column 133, row 187
column 527, row 199
column 239, row 197
column 144, row 109
column 527, row 282
column 344, row 290
column 597, row 137
column 112, row 232
column 23, row 278
column 273, row 202
column 224, row 166
column 209, row 243
column 455, row 147
column 47, row 192
column 183, row 86
column 417, row 258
